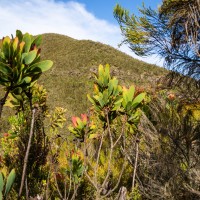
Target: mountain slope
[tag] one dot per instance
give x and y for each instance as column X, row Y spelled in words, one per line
column 75, row 60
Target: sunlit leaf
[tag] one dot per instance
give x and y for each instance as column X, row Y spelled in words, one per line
column 43, row 65
column 37, row 40
column 138, row 100
column 29, row 58
column 10, row 181
column 27, row 40
column 130, row 93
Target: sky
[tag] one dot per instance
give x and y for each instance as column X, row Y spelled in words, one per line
column 79, row 19
column 104, row 8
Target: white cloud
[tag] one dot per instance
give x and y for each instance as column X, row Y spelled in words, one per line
column 67, row 18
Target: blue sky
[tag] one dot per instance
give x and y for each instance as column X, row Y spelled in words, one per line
column 79, row 19
column 103, row 8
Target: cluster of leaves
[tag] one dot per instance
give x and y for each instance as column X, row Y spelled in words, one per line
column 20, row 68
column 111, row 104
column 20, row 64
column 172, row 32
column 177, row 131
column 110, row 98
column 67, row 85
column 77, row 166
column 57, row 118
column 114, row 151
column 81, row 128
column 183, row 16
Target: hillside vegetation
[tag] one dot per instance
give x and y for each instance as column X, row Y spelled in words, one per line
column 122, row 142
column 71, row 76
column 74, row 61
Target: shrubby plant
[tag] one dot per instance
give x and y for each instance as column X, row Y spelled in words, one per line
column 129, row 144
column 103, row 135
column 20, row 68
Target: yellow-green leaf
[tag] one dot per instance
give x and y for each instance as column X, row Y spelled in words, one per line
column 42, row 66
column 1, row 196
column 1, row 182
column 30, row 57
column 138, row 100
column 10, row 181
column 15, row 44
column 130, row 93
column 27, row 39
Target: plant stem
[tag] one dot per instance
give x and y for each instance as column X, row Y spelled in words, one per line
column 27, row 153
column 97, row 160
column 136, row 161
column 26, row 184
column 2, row 101
column 59, row 192
column 111, row 152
